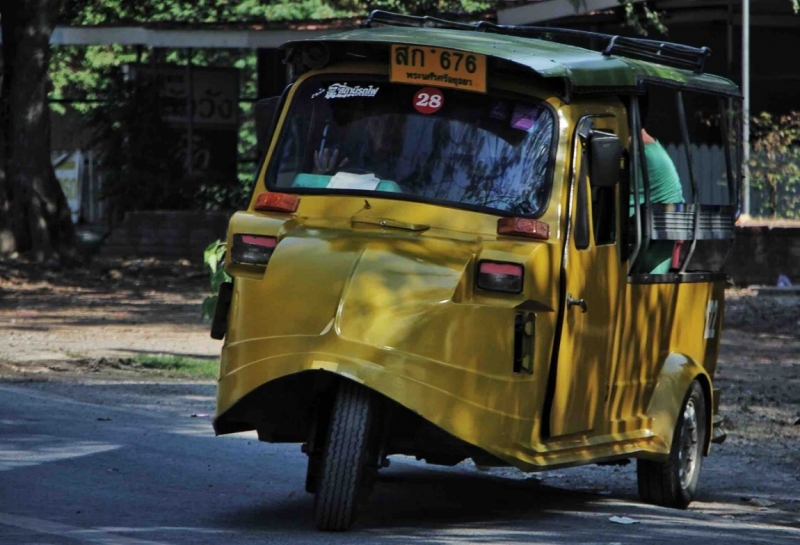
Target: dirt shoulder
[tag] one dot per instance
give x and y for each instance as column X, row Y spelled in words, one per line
column 759, row 373
column 94, row 321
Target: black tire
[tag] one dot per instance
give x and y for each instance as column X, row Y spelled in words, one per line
column 674, row 483
column 342, row 471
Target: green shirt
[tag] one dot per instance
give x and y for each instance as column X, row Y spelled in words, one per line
column 665, row 188
column 665, row 184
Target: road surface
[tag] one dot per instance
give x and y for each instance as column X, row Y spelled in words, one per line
column 129, row 464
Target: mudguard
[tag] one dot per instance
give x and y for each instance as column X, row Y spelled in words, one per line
column 672, row 384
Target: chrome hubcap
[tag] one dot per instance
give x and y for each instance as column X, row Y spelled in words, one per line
column 689, row 453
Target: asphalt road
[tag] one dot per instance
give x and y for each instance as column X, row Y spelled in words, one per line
column 103, row 464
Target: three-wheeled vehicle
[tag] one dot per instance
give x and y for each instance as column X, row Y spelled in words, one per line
column 449, row 254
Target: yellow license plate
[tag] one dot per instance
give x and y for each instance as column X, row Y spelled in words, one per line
column 439, row 67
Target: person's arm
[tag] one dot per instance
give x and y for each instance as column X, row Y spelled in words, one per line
column 665, row 183
column 326, row 162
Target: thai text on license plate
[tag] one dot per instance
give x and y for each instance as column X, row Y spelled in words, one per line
column 439, row 67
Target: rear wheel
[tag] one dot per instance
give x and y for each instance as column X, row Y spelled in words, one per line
column 674, row 483
column 342, row 471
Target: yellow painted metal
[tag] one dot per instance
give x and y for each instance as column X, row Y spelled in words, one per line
column 593, row 275
column 397, row 310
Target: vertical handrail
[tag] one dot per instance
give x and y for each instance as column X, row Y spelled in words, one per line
column 726, row 135
column 692, row 179
column 635, row 169
column 648, row 212
column 726, row 109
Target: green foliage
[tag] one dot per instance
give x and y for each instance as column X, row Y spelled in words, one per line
column 141, row 159
column 418, row 7
column 214, row 257
column 180, row 366
column 775, row 163
column 652, row 20
column 137, row 156
column 135, row 152
column 96, row 12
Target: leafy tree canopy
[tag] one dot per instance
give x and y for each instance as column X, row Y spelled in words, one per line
column 96, row 12
column 79, row 71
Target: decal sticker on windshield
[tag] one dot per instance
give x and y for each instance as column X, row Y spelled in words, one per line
column 499, row 111
column 428, row 100
column 524, row 117
column 342, row 90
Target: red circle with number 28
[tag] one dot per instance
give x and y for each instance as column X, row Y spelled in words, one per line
column 428, row 100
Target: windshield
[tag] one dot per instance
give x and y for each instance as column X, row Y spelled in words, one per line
column 357, row 135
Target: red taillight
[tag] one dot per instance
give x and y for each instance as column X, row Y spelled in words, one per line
column 500, row 276
column 252, row 249
column 264, row 242
column 523, row 227
column 277, row 202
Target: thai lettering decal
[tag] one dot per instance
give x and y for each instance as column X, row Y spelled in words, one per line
column 441, row 67
column 342, row 90
column 712, row 316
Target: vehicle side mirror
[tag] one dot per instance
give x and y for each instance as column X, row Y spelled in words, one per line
column 605, row 154
column 265, row 112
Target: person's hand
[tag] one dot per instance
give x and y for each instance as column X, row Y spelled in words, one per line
column 325, row 162
column 646, row 138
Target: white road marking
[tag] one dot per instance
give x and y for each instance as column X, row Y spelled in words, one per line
column 33, row 450
column 89, row 535
column 52, row 397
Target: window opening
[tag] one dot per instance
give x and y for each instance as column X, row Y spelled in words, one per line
column 684, row 183
column 364, row 135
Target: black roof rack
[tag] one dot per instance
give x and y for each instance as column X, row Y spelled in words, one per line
column 666, row 53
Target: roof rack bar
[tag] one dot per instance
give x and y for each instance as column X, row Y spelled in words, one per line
column 666, row 53
column 528, row 30
column 399, row 19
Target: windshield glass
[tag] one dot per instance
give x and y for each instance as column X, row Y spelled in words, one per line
column 356, row 135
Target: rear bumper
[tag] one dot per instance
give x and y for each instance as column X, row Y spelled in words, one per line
column 475, row 407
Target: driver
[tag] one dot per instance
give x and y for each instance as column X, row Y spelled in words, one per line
column 371, row 148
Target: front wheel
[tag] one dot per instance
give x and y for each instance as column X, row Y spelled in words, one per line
column 674, row 483
column 343, row 468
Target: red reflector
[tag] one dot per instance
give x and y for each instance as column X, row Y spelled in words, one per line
column 507, row 269
column 265, row 242
column 523, row 227
column 277, row 202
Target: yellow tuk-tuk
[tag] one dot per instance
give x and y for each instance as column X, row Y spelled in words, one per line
column 466, row 242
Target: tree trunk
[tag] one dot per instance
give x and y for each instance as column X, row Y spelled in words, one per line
column 39, row 215
column 7, row 244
